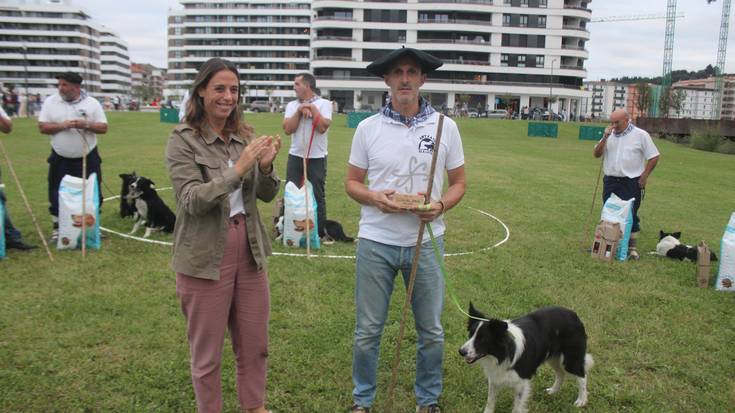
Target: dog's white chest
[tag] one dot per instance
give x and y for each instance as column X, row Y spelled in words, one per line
column 499, row 375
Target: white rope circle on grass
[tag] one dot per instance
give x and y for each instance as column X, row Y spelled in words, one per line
column 296, row 254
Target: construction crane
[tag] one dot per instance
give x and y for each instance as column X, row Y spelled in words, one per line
column 669, row 43
column 610, row 19
column 721, row 53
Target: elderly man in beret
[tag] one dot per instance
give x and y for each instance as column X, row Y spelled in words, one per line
column 70, row 117
column 390, row 158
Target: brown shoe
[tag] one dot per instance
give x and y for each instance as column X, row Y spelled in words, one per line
column 359, row 409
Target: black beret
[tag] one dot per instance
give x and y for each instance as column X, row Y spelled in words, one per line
column 427, row 62
column 70, row 77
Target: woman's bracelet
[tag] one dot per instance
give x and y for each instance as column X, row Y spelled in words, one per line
column 443, row 206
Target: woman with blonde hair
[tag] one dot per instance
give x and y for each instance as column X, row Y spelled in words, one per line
column 219, row 169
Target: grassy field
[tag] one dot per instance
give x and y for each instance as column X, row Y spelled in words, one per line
column 106, row 334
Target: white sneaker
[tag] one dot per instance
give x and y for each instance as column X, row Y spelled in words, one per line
column 633, row 254
column 54, row 238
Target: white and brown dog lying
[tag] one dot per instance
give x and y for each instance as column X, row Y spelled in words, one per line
column 510, row 352
column 149, row 208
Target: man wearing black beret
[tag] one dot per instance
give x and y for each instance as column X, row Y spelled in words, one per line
column 71, row 117
column 392, row 151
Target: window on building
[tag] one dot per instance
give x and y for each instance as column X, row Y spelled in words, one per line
column 524, row 3
column 521, row 60
column 542, row 3
column 540, row 60
column 541, row 22
column 506, row 20
column 523, row 22
column 503, row 60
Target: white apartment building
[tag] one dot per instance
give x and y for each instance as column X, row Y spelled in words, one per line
column 41, row 38
column 605, row 97
column 268, row 41
column 496, row 53
column 115, row 65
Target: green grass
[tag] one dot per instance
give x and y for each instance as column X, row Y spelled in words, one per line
column 106, row 334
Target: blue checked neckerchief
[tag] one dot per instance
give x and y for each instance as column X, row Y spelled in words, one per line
column 82, row 96
column 425, row 110
column 625, row 132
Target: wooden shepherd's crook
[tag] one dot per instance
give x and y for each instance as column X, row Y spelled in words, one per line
column 85, row 146
column 414, row 267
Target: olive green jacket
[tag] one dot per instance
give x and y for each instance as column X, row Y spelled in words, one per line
column 202, row 181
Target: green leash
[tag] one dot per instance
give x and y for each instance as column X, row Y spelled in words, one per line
column 450, row 290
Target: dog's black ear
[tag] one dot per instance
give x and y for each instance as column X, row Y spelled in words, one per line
column 661, row 235
column 474, row 312
column 497, row 327
column 676, row 235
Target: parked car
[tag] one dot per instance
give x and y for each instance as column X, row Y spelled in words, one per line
column 260, row 106
column 497, row 114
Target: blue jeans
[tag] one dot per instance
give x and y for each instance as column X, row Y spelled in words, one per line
column 377, row 265
column 11, row 233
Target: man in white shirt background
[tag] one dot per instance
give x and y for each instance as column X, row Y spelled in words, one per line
column 309, row 114
column 71, row 118
column 630, row 157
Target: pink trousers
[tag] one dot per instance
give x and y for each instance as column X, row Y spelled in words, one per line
column 238, row 301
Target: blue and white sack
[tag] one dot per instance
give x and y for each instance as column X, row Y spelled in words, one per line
column 70, row 213
column 2, row 229
column 726, row 274
column 294, row 217
column 617, row 210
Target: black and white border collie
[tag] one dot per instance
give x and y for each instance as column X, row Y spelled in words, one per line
column 669, row 245
column 510, row 352
column 127, row 204
column 149, row 208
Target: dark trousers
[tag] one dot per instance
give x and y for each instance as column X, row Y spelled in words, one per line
column 625, row 189
column 317, row 171
column 11, row 233
column 58, row 166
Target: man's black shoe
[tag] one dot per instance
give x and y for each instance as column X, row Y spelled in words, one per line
column 19, row 245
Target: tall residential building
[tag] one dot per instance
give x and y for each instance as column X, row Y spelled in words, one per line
column 267, row 40
column 148, row 81
column 698, row 99
column 115, row 61
column 41, row 38
column 496, row 53
column 728, row 99
column 605, row 98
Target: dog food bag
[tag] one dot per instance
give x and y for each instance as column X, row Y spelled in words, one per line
column 295, row 219
column 70, row 213
column 617, row 210
column 2, row 229
column 726, row 274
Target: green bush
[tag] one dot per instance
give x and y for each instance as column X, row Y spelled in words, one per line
column 726, row 146
column 706, row 140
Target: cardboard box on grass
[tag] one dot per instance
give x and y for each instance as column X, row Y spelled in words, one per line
column 607, row 238
column 703, row 264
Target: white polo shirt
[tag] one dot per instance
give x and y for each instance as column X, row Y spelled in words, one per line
column 68, row 142
column 626, row 154
column 398, row 157
column 300, row 138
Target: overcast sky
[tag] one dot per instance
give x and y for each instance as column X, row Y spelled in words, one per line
column 633, row 48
